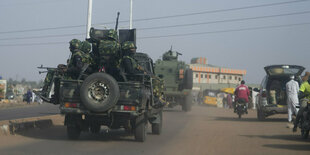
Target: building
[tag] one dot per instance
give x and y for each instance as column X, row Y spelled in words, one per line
column 206, row 76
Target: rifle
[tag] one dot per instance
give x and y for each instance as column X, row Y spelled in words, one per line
column 47, row 69
column 60, row 69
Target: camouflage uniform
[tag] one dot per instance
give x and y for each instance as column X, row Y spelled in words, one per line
column 86, row 48
column 48, row 83
column 128, row 63
column 108, row 50
column 77, row 59
column 75, row 45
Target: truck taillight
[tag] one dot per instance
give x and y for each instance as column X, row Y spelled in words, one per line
column 129, row 108
column 70, row 105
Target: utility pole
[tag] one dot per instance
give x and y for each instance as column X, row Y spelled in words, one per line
column 89, row 13
column 130, row 16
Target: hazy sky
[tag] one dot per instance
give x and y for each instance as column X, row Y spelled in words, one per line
column 240, row 34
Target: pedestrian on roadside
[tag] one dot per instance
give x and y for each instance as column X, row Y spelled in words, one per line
column 29, row 95
column 292, row 88
column 229, row 101
column 225, row 104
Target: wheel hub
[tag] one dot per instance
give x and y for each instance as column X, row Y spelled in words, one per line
column 98, row 91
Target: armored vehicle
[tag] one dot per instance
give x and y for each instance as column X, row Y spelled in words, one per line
column 178, row 80
column 100, row 98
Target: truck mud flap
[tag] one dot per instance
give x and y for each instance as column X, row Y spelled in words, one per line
column 153, row 112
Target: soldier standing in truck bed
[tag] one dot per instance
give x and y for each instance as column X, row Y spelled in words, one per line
column 75, row 63
column 128, row 63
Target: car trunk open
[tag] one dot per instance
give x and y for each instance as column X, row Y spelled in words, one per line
column 276, row 89
column 277, row 70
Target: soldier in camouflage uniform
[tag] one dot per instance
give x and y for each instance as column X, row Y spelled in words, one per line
column 88, row 57
column 75, row 45
column 131, row 67
column 77, row 60
column 128, row 63
column 62, row 70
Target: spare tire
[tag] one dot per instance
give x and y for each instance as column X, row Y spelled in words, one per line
column 99, row 92
column 188, row 79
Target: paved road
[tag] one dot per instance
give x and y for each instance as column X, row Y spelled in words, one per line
column 29, row 111
column 204, row 130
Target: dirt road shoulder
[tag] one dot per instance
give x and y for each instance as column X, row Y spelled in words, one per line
column 11, row 127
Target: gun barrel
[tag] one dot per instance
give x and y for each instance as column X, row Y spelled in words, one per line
column 116, row 26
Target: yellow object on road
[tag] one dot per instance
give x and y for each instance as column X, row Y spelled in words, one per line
column 228, row 90
column 210, row 100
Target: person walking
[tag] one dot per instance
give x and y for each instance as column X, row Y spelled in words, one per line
column 229, row 101
column 292, row 89
column 28, row 97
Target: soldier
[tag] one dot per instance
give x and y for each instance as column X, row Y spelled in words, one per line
column 75, row 63
column 75, row 45
column 131, row 67
column 108, row 50
column 128, row 62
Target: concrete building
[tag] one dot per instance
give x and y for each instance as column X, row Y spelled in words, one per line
column 206, row 76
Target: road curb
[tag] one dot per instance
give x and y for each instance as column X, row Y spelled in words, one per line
column 13, row 127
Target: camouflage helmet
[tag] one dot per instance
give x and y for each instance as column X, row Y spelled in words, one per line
column 112, row 34
column 75, row 44
column 85, row 47
column 128, row 45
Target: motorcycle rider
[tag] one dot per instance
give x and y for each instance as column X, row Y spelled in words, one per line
column 242, row 92
column 304, row 95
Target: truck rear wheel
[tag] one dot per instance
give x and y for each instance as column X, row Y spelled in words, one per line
column 157, row 127
column 99, row 92
column 140, row 128
column 188, row 79
column 187, row 103
column 304, row 133
column 95, row 128
column 73, row 132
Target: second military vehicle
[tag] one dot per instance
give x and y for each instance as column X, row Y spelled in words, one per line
column 178, row 80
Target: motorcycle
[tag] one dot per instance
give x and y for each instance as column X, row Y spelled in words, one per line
column 304, row 123
column 241, row 107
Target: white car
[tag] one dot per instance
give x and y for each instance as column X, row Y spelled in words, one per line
column 272, row 93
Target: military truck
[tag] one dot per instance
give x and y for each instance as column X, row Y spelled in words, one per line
column 178, row 80
column 99, row 99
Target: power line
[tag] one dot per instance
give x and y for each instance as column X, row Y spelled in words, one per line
column 161, row 17
column 178, row 35
column 221, row 10
column 224, row 31
column 170, row 26
column 33, row 3
column 47, row 36
column 41, row 29
column 33, row 44
column 229, row 20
